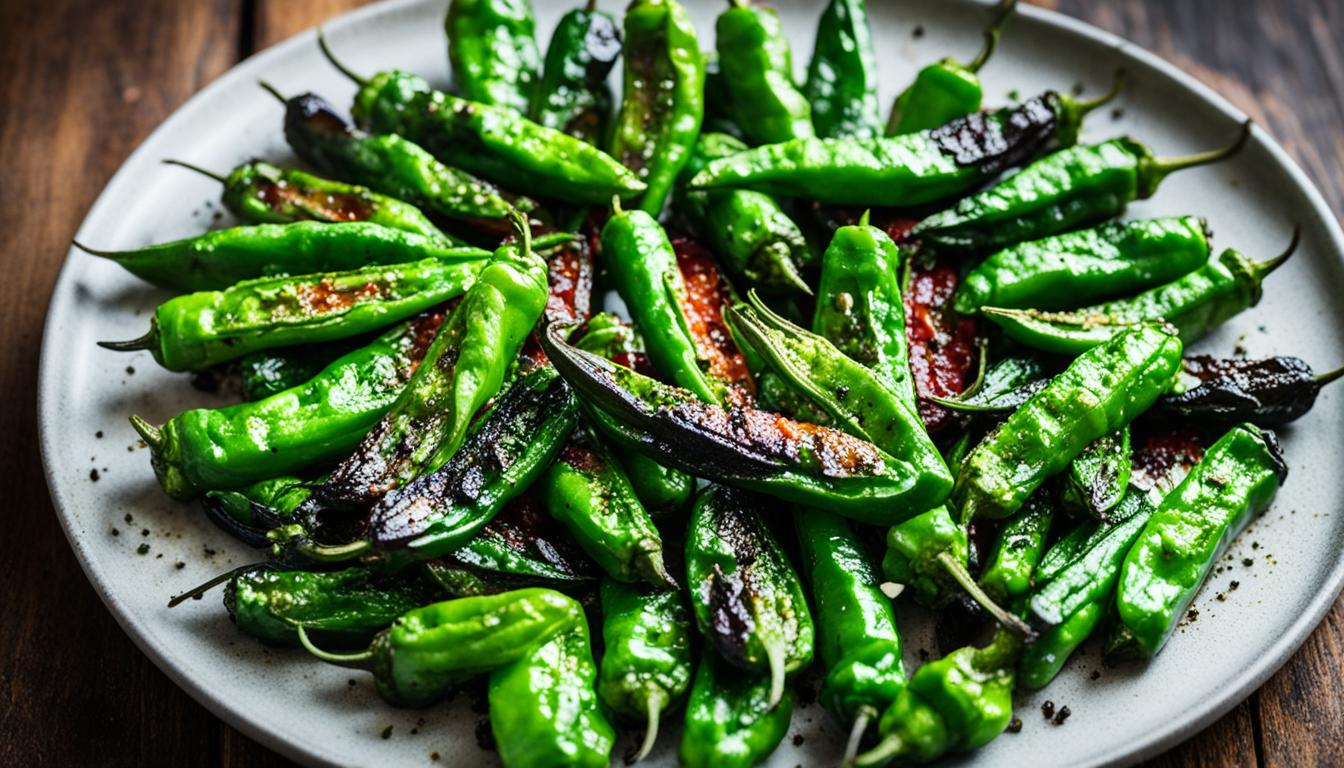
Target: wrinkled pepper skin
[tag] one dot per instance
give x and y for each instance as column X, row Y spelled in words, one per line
column 573, row 95
column 341, row 607
column 1098, row 477
column 1195, row 304
column 1100, row 392
column 495, row 142
column 1191, row 529
column 749, row 231
column 222, row 257
column 731, row 721
column 857, row 637
column 663, row 104
column 544, row 712
column 758, row 70
column 248, row 512
column 273, row 371
column 914, row 549
column 492, row 47
column 464, row 368
column 198, row 330
column 746, row 597
column 1012, row 563
column 1069, row 270
column 1268, row 392
column 646, row 665
column 316, row 422
column 842, row 77
column 1042, row 660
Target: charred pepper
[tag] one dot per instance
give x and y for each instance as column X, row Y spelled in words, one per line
column 1267, row 392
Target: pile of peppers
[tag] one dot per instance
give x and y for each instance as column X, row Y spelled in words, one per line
column 857, row 361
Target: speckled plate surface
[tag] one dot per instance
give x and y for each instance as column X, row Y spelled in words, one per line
column 312, row 712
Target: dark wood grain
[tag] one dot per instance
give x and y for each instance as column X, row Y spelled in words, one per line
column 86, row 81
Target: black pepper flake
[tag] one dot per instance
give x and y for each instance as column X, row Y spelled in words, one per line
column 93, row 475
column 179, row 565
column 386, row 734
column 1192, row 614
column 116, row 532
column 1117, row 113
column 209, row 552
column 415, row 731
column 159, row 556
column 98, row 434
column 1061, row 716
column 1247, row 562
column 1048, row 709
column 1233, row 585
column 143, row 549
column 798, row 739
column 1096, row 675
column 144, row 531
column 1014, row 725
column 918, row 31
column 129, row 518
column 350, row 682
column 130, row 370
column 433, row 755
column 1255, row 545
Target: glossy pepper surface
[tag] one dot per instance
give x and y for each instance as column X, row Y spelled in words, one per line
column 1008, row 572
column 758, row 70
column 842, row 76
column 731, row 720
column 1069, row 270
column 573, row 95
column 430, row 650
column 663, row 102
column 646, row 665
column 544, row 711
column 1098, row 477
column 1100, row 392
column 1191, row 529
column 746, row 597
column 492, row 46
column 1266, row 392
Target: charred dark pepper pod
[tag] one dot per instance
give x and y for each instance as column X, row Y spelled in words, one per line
column 1269, row 392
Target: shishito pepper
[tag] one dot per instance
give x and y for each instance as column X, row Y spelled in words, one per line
column 573, row 95
column 198, row 330
column 1073, row 187
column 1072, row 269
column 842, row 77
column 1195, row 304
column 746, row 597
column 430, row 650
column 1100, row 392
column 904, row 171
column 1191, row 529
column 1098, row 477
column 731, row 720
column 758, row 70
column 272, row 371
column 544, row 711
column 947, row 90
column 1008, row 572
column 1266, row 392
column 663, row 102
column 231, row 447
column 646, row 665
column 492, row 46
column 464, row 368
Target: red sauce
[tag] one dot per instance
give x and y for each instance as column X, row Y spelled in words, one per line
column 569, row 274
column 707, row 295
column 318, row 298
column 281, row 196
column 942, row 343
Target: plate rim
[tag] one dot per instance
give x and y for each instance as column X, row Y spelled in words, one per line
column 1177, row 729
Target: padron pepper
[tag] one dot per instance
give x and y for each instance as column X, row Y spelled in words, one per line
column 1195, row 304
column 270, row 371
column 1098, row 477
column 492, row 46
column 1074, row 187
column 1101, row 391
column 746, row 597
column 1191, row 529
column 1018, row 548
column 842, row 77
column 731, row 720
column 646, row 664
column 429, row 651
column 1007, row 384
column 248, row 513
column 758, row 70
column 573, row 95
column 663, row 102
column 1268, row 392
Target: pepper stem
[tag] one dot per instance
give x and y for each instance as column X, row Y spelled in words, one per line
column 1154, row 170
column 196, row 168
column 148, row 341
column 654, row 709
column 201, row 589
column 649, row 565
column 887, row 749
column 1261, row 269
column 1325, row 378
column 523, row 226
column 1005, row 619
column 362, row 660
column 338, row 553
column 94, row 251
column 992, row 33
column 865, row 715
column 774, row 654
column 616, row 206
column 271, row 89
column 866, row 217
column 322, row 43
column 152, row 435
column 1072, row 112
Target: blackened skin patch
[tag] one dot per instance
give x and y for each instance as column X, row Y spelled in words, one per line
column 996, row 141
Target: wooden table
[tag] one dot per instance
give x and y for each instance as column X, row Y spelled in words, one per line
column 84, row 82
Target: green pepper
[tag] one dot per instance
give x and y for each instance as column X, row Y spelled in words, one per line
column 955, row 704
column 858, row 640
column 1009, row 572
column 222, row 257
column 731, row 719
column 231, row 447
column 1071, row 188
column 1191, row 529
column 1101, row 391
column 646, row 667
column 544, row 711
column 588, row 492
column 336, row 606
column 842, row 77
column 663, row 102
column 249, row 512
column 1069, row 270
column 492, row 46
column 746, row 597
column 905, row 171
column 1195, row 304
column 198, row 330
column 464, row 367
column 429, row 651
column 758, row 67
column 495, row 142
column 573, row 95
column 1097, row 478
column 947, row 90
column 1006, row 385
column 755, row 450
column 749, row 231
column 717, row 117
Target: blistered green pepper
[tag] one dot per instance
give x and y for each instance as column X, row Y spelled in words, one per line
column 842, row 77
column 573, row 95
column 731, row 719
column 1098, row 477
column 758, row 70
column 1008, row 572
column 492, row 46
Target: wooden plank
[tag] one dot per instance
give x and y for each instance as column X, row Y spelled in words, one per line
column 275, row 20
column 1228, row 743
column 84, row 84
column 1302, row 707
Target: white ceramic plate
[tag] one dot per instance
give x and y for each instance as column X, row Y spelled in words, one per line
column 311, row 713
